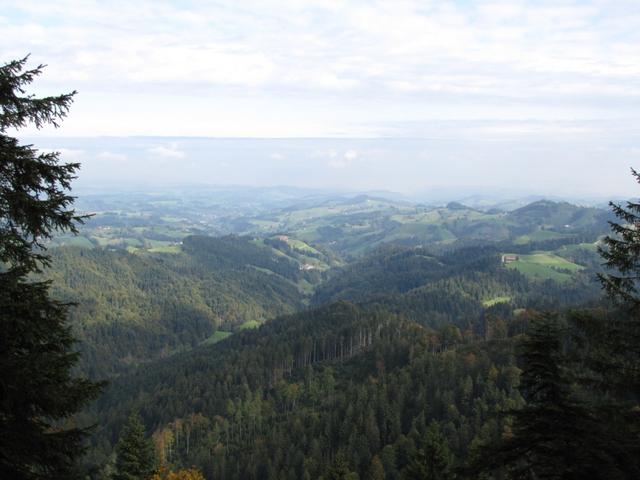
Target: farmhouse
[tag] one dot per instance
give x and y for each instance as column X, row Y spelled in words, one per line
column 509, row 258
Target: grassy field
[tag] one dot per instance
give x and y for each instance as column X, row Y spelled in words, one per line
column 539, row 235
column 590, row 247
column 495, row 300
column 218, row 336
column 74, row 241
column 249, row 324
column 166, row 248
column 544, row 266
column 266, row 225
column 302, row 246
column 155, row 246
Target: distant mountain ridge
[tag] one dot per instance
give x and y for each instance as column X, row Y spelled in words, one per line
column 560, row 215
column 348, row 226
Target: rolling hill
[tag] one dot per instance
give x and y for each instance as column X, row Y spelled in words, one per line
column 134, row 308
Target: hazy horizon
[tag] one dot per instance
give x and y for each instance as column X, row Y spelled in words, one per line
column 538, row 96
column 408, row 166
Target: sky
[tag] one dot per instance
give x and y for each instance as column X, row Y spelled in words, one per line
column 539, row 95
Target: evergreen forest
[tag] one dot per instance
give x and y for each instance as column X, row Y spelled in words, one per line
column 403, row 362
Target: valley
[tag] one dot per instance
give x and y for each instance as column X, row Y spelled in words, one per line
column 262, row 330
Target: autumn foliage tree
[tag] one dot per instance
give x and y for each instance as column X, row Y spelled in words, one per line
column 184, row 474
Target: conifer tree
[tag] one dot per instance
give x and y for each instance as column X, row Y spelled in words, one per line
column 586, row 425
column 622, row 252
column 37, row 389
column 135, row 455
column 556, row 435
column 340, row 469
column 433, row 460
column 614, row 345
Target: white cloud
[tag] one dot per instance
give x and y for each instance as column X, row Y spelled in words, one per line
column 170, row 152
column 112, row 157
column 342, row 161
column 350, row 155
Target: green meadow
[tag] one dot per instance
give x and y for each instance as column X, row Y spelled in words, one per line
column 545, row 266
column 494, row 301
column 218, row 336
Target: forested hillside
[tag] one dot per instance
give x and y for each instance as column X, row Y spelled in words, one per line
column 136, row 308
column 454, row 287
column 331, row 390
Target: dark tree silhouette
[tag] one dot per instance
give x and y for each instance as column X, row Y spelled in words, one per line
column 622, row 252
column 38, row 393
